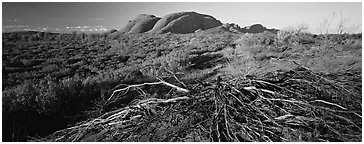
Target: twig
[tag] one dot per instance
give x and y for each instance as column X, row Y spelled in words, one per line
column 175, row 77
column 321, row 77
column 227, row 123
column 260, row 81
column 130, row 86
column 155, row 83
column 255, row 88
column 236, row 98
column 333, row 104
column 174, row 86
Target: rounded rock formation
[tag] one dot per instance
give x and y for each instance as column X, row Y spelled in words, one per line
column 256, row 28
column 142, row 23
column 185, row 22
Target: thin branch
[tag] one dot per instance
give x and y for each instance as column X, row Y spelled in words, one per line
column 175, row 77
column 174, row 86
column 155, row 83
column 130, row 86
column 333, row 104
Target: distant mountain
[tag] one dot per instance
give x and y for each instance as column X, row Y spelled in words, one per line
column 185, row 22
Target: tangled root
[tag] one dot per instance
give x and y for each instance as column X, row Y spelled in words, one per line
column 298, row 105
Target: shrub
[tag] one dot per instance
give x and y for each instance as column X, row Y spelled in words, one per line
column 292, row 38
column 45, row 100
column 30, row 63
column 50, row 68
column 266, row 38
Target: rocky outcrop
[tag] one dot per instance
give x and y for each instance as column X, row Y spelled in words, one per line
column 142, row 23
column 231, row 27
column 184, row 22
column 256, row 28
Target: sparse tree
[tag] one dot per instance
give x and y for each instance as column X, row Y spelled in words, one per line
column 337, row 24
column 296, row 29
column 325, row 24
column 291, row 34
column 344, row 27
column 301, row 28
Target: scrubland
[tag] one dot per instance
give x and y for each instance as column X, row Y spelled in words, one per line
column 210, row 85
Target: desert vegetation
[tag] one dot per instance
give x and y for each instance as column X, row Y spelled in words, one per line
column 211, row 85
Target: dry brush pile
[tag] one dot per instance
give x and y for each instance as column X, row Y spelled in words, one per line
column 296, row 105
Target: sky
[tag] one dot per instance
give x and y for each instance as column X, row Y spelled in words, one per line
column 116, row 14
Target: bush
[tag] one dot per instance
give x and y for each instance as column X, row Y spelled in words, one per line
column 45, row 100
column 352, row 44
column 50, row 68
column 266, row 38
column 30, row 63
column 291, row 38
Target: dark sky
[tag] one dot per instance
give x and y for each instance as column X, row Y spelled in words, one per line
column 271, row 15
